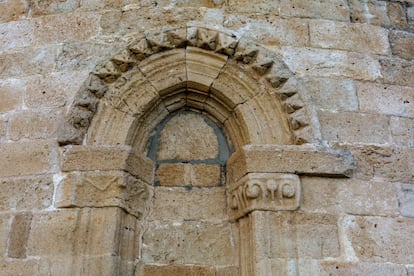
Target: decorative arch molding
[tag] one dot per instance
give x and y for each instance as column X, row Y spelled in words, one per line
column 239, row 83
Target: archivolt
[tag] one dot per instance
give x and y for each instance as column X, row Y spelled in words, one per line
column 238, row 83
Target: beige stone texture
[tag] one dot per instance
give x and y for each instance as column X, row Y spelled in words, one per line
column 27, row 158
column 402, row 44
column 187, row 137
column 254, row 7
column 179, row 204
column 351, row 37
column 26, row 193
column 16, row 34
column 406, row 200
column 11, row 91
column 14, row 267
column 361, row 268
column 77, row 26
column 13, row 10
column 378, row 239
column 107, row 158
column 5, row 222
column 397, row 14
column 402, row 131
column 349, row 196
column 42, row 7
column 353, row 127
column 369, row 11
column 3, row 127
column 188, row 242
column 397, row 71
column 177, row 270
column 335, row 10
column 19, row 233
column 331, row 63
column 183, row 174
column 386, row 99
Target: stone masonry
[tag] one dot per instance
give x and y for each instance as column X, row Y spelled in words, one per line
column 206, row 137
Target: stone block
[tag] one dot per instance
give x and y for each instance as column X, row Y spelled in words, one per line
column 362, row 38
column 352, row 127
column 402, row 131
column 34, row 125
column 305, row 160
column 94, row 5
column 402, row 44
column 42, row 7
column 77, row 26
column 13, row 10
column 103, row 189
column 330, row 94
column 361, row 268
column 28, row 61
column 26, row 193
column 106, row 158
column 335, row 10
column 254, row 7
column 16, row 34
column 369, row 11
column 406, row 200
column 194, row 242
column 11, row 92
column 396, row 12
column 12, row 267
column 26, row 158
column 397, row 71
column 184, row 174
column 180, row 204
column 19, row 233
column 386, row 99
column 177, row 270
column 3, row 127
column 331, row 63
column 378, row 239
column 5, row 222
column 351, row 196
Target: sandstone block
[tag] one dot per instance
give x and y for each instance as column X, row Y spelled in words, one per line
column 402, row 44
column 26, row 193
column 104, row 4
column 106, row 158
column 19, row 267
column 352, row 196
column 369, row 11
column 11, row 91
column 331, row 63
column 26, row 158
column 402, row 131
column 19, row 233
column 188, row 242
column 3, row 127
column 361, row 268
column 336, row 9
column 177, row 270
column 350, row 127
column 397, row 71
column 33, row 125
column 386, row 99
column 13, row 10
column 330, row 94
column 5, row 222
column 397, row 14
column 16, row 34
column 77, row 26
column 183, row 174
column 41, row 7
column 257, row 6
column 378, row 239
column 351, row 37
column 196, row 204
column 406, row 200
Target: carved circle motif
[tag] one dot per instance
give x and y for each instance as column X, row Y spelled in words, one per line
column 288, row 190
column 253, row 189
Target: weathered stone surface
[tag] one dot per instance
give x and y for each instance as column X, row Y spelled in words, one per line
column 369, row 11
column 351, row 196
column 177, row 270
column 41, row 7
column 397, row 71
column 331, row 63
column 402, row 131
column 386, row 99
column 12, row 10
column 360, row 268
column 33, row 125
column 258, row 6
column 11, row 91
column 3, row 127
column 77, row 26
column 378, row 239
column 5, row 222
column 16, row 34
column 406, row 200
column 306, row 160
column 184, row 174
column 176, row 242
column 330, row 94
column 397, row 14
column 26, row 158
column 19, row 233
column 402, row 44
column 352, row 127
column 352, row 37
column 13, row 267
column 26, row 193
column 106, row 158
column 336, row 9
column 179, row 204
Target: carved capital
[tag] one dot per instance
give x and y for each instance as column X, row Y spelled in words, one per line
column 263, row 191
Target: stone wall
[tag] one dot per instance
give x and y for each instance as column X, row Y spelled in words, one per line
column 353, row 62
